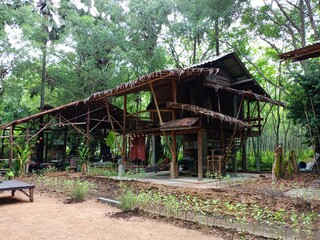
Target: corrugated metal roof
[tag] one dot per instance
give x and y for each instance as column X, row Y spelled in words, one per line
column 311, row 51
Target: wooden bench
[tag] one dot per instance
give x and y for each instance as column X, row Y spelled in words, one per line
column 13, row 185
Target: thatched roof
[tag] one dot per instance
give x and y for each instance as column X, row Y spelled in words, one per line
column 212, row 114
column 143, row 83
column 247, row 94
column 75, row 112
column 98, row 100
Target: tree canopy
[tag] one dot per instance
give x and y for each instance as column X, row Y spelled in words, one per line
column 55, row 51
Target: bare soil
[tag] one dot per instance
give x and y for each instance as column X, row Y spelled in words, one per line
column 49, row 218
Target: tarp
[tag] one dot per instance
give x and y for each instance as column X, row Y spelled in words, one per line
column 138, row 148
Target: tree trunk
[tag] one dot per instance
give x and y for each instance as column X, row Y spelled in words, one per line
column 43, row 74
column 293, row 160
column 216, row 33
column 195, row 48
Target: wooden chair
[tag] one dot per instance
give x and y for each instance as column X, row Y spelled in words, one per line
column 215, row 162
column 73, row 165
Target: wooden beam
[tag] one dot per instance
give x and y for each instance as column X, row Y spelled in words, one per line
column 112, row 125
column 149, row 110
column 46, row 125
column 99, row 122
column 159, row 115
column 156, row 103
column 74, row 126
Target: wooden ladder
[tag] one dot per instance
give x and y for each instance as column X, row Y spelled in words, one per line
column 215, row 162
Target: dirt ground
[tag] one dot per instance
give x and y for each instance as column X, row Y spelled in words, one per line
column 49, row 218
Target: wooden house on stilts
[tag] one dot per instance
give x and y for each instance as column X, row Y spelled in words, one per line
column 212, row 106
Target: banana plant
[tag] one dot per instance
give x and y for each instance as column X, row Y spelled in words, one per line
column 23, row 156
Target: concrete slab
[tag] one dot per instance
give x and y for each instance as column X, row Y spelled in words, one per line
column 310, row 193
column 189, row 181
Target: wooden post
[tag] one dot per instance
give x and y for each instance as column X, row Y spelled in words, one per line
column 153, row 155
column 244, row 156
column 2, row 143
column 248, row 112
column 174, row 163
column 174, row 97
column 235, row 112
column 200, row 147
column 204, row 148
column 64, row 143
column 124, row 128
column 28, row 141
column 258, row 155
column 11, row 147
column 259, row 117
column 46, row 147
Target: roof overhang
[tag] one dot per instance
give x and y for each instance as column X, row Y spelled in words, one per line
column 311, row 51
column 180, row 124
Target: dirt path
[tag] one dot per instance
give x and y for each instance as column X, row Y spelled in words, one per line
column 50, row 218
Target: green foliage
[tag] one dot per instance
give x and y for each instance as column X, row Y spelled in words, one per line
column 111, row 138
column 304, row 100
column 306, row 155
column 23, row 155
column 267, row 158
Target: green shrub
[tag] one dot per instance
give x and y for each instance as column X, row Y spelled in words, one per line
column 77, row 189
column 128, row 198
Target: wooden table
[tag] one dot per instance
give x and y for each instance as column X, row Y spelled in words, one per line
column 13, row 185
